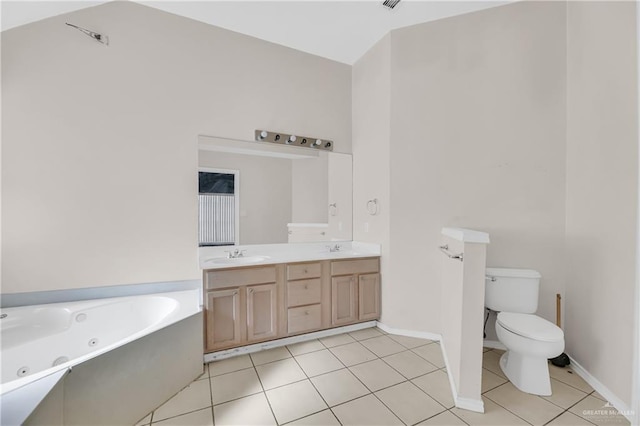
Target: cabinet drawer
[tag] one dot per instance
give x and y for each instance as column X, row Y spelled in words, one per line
column 303, row 270
column 304, row 318
column 348, row 267
column 238, row 277
column 304, row 292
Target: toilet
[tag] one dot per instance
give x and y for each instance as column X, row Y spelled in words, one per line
column 529, row 339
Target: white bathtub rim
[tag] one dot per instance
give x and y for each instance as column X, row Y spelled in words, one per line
column 188, row 305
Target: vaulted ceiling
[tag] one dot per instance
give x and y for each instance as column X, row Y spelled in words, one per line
column 338, row 30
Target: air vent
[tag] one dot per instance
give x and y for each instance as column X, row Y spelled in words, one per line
column 390, row 3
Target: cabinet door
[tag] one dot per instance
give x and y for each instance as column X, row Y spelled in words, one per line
column 369, row 296
column 223, row 318
column 344, row 304
column 262, row 312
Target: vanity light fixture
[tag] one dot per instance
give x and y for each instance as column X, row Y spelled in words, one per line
column 390, row 4
column 293, row 140
column 100, row 38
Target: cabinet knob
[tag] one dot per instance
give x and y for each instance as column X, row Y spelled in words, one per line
column 250, row 290
column 235, row 292
column 306, row 287
column 305, row 270
column 306, row 312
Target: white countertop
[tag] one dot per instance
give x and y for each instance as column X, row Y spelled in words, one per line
column 466, row 235
column 268, row 254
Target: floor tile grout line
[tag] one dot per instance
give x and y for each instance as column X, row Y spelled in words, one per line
column 458, row 417
column 213, row 417
column 569, row 384
column 348, row 368
column 186, row 412
column 430, row 417
column 231, row 372
column 434, row 366
column 365, row 348
column 427, row 393
column 578, row 402
column 389, row 408
column 181, row 414
column 557, row 405
column 395, row 384
column 314, row 386
column 500, row 405
column 546, row 423
column 264, row 392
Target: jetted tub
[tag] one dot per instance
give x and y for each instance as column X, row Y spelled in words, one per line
column 39, row 340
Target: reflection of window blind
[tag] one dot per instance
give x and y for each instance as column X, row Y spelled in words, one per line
column 217, row 219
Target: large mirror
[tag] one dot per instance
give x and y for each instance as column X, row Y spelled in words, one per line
column 262, row 193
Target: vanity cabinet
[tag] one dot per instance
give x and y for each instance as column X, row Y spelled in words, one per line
column 222, row 319
column 241, row 306
column 355, row 291
column 305, row 290
column 368, row 297
column 344, row 300
column 245, row 305
column 262, row 312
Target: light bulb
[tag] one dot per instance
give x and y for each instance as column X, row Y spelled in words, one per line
column 263, row 134
column 318, row 142
column 292, row 139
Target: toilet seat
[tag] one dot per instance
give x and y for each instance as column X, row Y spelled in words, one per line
column 530, row 326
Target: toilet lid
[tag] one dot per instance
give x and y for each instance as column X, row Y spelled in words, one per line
column 530, row 326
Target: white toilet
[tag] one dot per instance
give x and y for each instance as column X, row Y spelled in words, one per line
column 530, row 340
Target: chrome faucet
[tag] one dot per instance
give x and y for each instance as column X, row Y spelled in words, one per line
column 335, row 248
column 235, row 254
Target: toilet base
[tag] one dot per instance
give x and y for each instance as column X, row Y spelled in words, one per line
column 529, row 374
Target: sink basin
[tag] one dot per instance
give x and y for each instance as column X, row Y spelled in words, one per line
column 244, row 260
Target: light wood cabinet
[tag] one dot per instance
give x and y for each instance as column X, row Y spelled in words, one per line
column 344, row 302
column 262, row 312
column 251, row 304
column 222, row 318
column 305, row 291
column 241, row 306
column 368, row 297
column 355, row 291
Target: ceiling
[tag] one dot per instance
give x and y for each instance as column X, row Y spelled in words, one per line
column 338, row 30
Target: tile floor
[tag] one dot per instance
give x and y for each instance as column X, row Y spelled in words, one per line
column 367, row 377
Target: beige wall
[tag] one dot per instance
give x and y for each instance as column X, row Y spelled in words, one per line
column 476, row 141
column 265, row 194
column 99, row 143
column 602, row 190
column 371, row 109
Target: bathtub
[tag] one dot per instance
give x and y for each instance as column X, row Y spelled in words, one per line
column 36, row 341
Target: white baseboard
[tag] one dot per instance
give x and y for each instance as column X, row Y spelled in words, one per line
column 476, row 405
column 597, row 385
column 409, row 333
column 470, row 404
column 494, row 344
column 215, row 356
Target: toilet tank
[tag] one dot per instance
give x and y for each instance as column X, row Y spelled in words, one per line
column 512, row 290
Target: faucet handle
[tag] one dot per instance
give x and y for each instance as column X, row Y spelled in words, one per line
column 241, row 253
